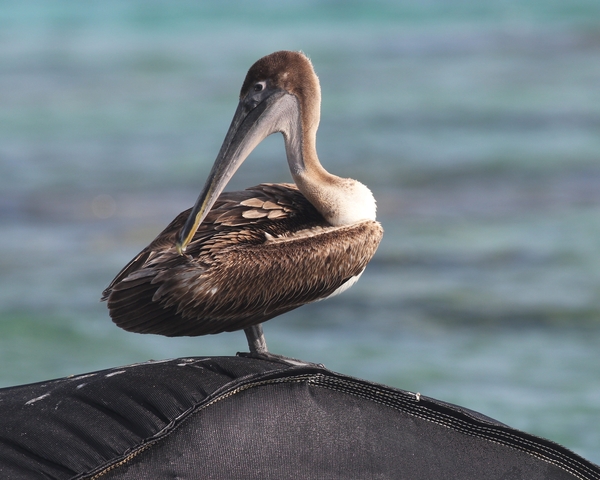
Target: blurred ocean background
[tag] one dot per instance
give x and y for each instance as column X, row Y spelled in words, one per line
column 476, row 123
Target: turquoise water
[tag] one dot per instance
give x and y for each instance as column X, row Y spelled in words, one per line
column 476, row 124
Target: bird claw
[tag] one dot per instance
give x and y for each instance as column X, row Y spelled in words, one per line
column 271, row 357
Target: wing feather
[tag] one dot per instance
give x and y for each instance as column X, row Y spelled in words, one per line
column 259, row 253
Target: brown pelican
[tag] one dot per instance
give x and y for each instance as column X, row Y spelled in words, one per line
column 238, row 259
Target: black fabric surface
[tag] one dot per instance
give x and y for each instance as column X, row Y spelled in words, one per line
column 241, row 418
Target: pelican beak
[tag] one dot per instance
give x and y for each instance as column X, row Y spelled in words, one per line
column 251, row 124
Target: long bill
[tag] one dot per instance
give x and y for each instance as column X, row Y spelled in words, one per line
column 250, row 125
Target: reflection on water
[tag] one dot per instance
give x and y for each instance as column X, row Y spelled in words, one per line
column 477, row 127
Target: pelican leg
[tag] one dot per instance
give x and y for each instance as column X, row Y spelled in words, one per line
column 256, row 340
column 258, row 348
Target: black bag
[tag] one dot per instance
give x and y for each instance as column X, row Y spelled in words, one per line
column 241, row 418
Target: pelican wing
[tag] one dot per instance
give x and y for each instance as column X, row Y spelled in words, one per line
column 259, row 253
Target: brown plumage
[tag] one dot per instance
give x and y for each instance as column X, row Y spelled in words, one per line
column 259, row 253
column 237, row 259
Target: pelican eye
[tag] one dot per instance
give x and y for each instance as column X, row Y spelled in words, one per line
column 258, row 87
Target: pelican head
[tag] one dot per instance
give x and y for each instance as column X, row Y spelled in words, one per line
column 280, row 93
